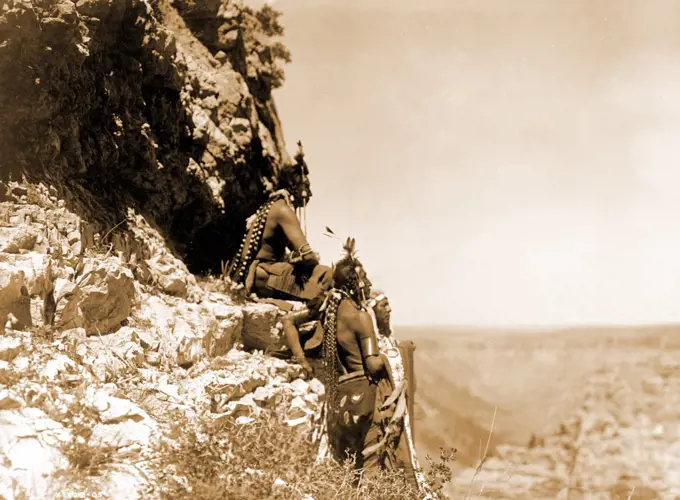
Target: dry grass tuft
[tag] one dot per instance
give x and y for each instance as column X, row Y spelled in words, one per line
column 267, row 459
column 85, row 457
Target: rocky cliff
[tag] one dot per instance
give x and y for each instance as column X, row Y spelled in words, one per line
column 137, row 109
column 133, row 139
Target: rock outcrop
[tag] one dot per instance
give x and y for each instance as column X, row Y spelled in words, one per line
column 120, row 107
column 134, row 139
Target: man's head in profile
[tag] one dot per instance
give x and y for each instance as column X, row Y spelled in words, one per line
column 294, row 178
column 349, row 275
column 382, row 311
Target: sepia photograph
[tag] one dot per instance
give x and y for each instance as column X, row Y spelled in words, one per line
column 323, row 249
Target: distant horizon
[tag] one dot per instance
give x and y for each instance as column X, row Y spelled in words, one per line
column 533, row 326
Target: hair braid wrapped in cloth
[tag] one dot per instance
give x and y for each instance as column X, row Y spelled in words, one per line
column 330, row 351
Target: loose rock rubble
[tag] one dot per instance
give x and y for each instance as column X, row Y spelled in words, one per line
column 52, row 391
column 93, row 357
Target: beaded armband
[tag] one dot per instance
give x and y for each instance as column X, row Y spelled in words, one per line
column 298, row 255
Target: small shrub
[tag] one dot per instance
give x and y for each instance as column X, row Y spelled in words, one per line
column 262, row 33
column 440, row 473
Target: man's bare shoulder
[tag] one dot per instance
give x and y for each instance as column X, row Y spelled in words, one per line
column 281, row 210
column 357, row 318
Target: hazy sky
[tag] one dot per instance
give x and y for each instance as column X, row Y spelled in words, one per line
column 499, row 162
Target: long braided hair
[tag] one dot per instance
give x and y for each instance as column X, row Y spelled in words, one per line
column 347, row 286
column 330, row 353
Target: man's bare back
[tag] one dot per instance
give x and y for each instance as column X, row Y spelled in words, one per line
column 273, row 273
column 355, row 324
column 282, row 230
column 261, row 264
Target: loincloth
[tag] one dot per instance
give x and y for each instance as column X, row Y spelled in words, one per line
column 286, row 281
column 354, row 414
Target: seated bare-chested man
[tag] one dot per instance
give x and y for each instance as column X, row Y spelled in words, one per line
column 275, row 259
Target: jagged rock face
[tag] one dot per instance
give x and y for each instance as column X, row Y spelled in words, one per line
column 100, row 300
column 98, row 349
column 119, row 100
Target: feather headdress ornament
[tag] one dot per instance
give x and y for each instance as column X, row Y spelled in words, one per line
column 350, row 248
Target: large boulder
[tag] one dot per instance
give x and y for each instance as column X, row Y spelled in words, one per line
column 262, row 329
column 230, row 321
column 10, row 348
column 30, row 441
column 120, row 422
column 108, row 356
column 170, row 274
column 191, row 332
column 100, row 299
column 30, row 280
column 35, row 268
column 18, row 239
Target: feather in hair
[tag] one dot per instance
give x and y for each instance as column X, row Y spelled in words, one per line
column 350, row 248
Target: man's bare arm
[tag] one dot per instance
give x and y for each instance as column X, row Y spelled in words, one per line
column 362, row 325
column 290, row 225
column 291, row 322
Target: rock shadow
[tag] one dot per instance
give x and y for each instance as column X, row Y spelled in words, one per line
column 109, row 125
